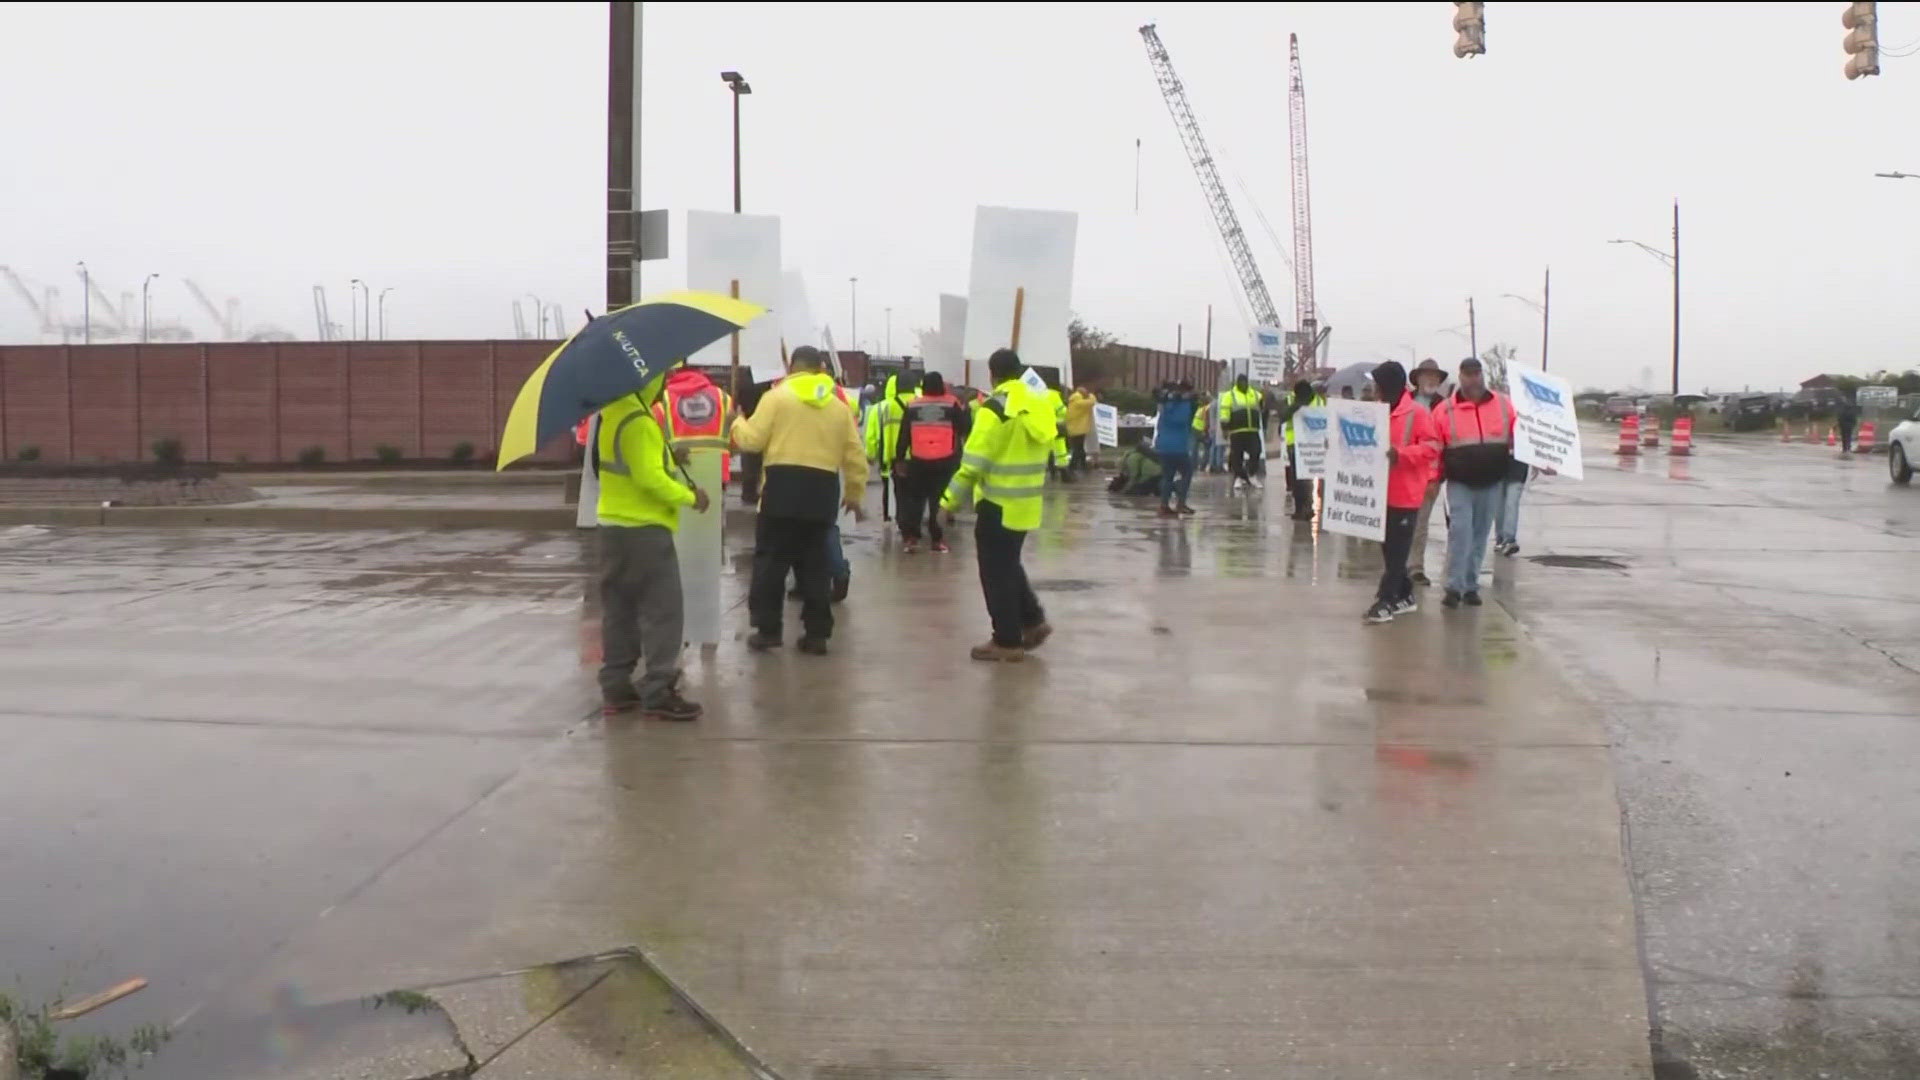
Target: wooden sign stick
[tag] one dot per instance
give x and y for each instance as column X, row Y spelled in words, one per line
column 1019, row 307
column 733, row 371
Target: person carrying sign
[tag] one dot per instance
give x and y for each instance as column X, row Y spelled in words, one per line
column 1476, row 432
column 1302, row 486
column 932, row 430
column 1413, row 448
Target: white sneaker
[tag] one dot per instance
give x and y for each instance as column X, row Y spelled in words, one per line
column 1257, row 485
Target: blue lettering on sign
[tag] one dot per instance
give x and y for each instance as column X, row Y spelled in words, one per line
column 1269, row 339
column 1545, row 395
column 1315, row 423
column 1354, row 433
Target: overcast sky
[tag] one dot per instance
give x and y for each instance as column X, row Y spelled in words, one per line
column 455, row 153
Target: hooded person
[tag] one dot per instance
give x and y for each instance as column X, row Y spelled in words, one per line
column 1413, row 447
column 814, row 464
column 1004, row 470
column 1304, row 395
column 933, row 429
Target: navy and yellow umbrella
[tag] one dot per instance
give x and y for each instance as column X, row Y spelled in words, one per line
column 622, row 352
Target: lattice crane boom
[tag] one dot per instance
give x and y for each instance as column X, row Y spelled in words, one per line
column 1228, row 222
column 1305, row 312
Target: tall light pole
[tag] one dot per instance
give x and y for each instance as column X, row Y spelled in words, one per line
column 1544, row 307
column 889, row 345
column 540, row 310
column 146, row 308
column 1672, row 260
column 1473, row 331
column 383, row 311
column 86, row 304
column 740, row 90
column 853, row 310
column 353, row 310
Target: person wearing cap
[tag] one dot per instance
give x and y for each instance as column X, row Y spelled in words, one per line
column 1429, row 389
column 1475, row 424
column 1412, row 448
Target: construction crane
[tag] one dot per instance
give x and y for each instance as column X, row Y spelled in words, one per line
column 46, row 312
column 1305, row 312
column 1223, row 216
column 226, row 323
column 323, row 321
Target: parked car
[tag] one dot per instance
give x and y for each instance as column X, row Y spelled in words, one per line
column 1747, row 412
column 1619, row 408
column 1903, row 449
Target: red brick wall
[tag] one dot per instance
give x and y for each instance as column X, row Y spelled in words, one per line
column 262, row 403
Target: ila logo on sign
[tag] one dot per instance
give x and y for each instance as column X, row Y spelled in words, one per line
column 1271, row 341
column 1316, row 424
column 1356, row 434
column 1545, row 395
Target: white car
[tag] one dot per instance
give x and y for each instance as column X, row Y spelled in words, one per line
column 1903, row 449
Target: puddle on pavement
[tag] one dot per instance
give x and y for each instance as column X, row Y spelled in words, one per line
column 1578, row 562
column 609, row 1014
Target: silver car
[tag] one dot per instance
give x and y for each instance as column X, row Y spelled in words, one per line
column 1903, row 448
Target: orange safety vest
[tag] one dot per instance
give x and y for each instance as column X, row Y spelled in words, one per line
column 580, row 431
column 933, row 434
column 695, row 418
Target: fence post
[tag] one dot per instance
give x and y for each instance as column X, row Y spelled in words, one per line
column 66, row 368
column 419, row 401
column 206, row 403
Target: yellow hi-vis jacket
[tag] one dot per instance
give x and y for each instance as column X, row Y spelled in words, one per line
column 883, row 425
column 1059, row 425
column 639, row 482
column 1240, row 411
column 1005, row 460
column 1317, row 400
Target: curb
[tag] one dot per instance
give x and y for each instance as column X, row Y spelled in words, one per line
column 314, row 518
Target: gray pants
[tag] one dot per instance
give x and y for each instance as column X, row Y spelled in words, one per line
column 640, row 611
column 1417, row 564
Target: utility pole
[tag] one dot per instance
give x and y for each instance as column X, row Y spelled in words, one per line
column 1473, row 331
column 889, row 331
column 146, row 307
column 740, row 88
column 623, row 150
column 86, row 304
column 1676, row 298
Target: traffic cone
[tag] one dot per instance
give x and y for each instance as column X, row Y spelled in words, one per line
column 1682, row 436
column 1651, row 432
column 1832, row 438
column 1629, row 436
column 1864, row 444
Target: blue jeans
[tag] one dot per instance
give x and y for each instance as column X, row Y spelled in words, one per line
column 1508, row 531
column 1470, row 511
column 1176, row 476
column 836, row 553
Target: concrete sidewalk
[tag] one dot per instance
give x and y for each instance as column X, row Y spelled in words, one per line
column 1218, row 827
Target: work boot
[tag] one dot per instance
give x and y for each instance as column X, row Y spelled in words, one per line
column 1452, row 599
column 1380, row 612
column 1473, row 599
column 760, row 642
column 671, row 706
column 998, row 653
column 813, row 646
column 1168, row 511
column 1035, row 636
column 842, row 583
column 619, row 704
column 1186, row 511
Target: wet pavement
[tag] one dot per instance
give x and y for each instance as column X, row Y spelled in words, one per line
column 1218, row 826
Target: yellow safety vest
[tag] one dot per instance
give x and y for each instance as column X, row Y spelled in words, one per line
column 1060, row 426
column 1317, row 400
column 1234, row 401
column 639, row 488
column 1005, row 460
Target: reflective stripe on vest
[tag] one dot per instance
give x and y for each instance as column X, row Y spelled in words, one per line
column 933, row 437
column 695, row 421
column 1482, row 437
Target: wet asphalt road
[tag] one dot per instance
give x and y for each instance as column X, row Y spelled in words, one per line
column 1758, row 660
column 252, row 766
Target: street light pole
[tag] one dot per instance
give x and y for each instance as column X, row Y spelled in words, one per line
column 383, row 311
column 1473, row 331
column 1544, row 307
column 740, row 89
column 1672, row 261
column 889, row 331
column 146, row 308
column 353, row 308
column 86, row 304
column 853, row 310
column 540, row 311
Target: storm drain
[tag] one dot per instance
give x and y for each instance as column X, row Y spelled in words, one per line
column 1578, row 562
column 1064, row 585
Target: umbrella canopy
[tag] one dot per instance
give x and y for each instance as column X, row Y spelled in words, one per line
column 622, row 352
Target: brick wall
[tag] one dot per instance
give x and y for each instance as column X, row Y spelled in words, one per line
column 229, row 402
